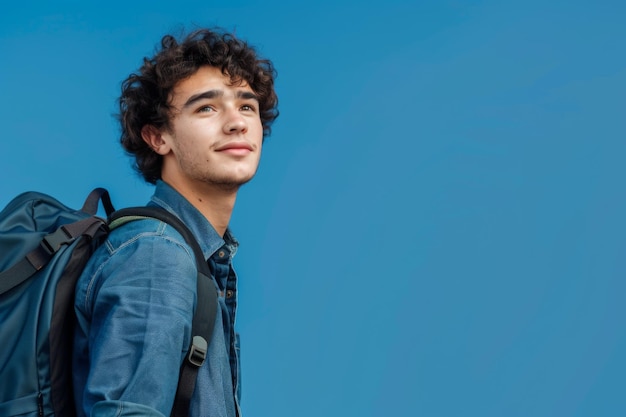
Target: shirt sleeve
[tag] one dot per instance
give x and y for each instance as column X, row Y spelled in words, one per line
column 141, row 302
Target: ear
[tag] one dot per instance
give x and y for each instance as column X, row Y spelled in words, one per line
column 154, row 138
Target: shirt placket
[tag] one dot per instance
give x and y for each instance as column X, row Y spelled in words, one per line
column 225, row 277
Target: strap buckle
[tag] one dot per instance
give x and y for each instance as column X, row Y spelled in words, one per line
column 52, row 242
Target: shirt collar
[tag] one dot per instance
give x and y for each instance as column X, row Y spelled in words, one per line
column 210, row 241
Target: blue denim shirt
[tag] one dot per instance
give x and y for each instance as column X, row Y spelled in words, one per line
column 134, row 304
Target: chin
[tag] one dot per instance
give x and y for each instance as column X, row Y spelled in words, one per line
column 232, row 182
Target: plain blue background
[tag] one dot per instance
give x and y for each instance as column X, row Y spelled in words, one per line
column 437, row 228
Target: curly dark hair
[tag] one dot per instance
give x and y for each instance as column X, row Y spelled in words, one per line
column 145, row 98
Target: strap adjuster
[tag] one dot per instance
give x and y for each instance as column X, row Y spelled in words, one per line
column 197, row 351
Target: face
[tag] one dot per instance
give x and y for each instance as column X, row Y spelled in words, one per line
column 215, row 133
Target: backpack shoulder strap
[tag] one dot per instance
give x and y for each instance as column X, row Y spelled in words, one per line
column 206, row 308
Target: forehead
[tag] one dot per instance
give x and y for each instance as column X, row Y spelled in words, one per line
column 205, row 79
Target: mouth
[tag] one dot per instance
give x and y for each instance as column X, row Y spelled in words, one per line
column 235, row 148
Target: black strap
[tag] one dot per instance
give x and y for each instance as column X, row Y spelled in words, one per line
column 206, row 308
column 94, row 198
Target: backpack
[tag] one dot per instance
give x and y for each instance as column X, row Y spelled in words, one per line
column 44, row 246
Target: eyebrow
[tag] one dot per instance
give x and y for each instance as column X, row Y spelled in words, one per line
column 210, row 94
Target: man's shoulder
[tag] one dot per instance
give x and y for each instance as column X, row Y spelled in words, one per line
column 144, row 231
column 144, row 249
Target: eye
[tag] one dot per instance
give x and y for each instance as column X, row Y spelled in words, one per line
column 205, row 109
column 248, row 107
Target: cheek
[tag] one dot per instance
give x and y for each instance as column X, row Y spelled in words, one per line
column 198, row 135
column 257, row 128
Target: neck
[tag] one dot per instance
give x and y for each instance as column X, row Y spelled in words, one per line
column 216, row 203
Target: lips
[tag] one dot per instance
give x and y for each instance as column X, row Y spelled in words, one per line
column 237, row 149
column 235, row 146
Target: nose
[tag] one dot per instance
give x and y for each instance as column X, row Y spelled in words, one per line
column 235, row 123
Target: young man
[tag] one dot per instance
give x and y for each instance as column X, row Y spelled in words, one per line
column 194, row 116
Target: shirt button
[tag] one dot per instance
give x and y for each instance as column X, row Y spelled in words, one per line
column 229, row 293
column 221, row 254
